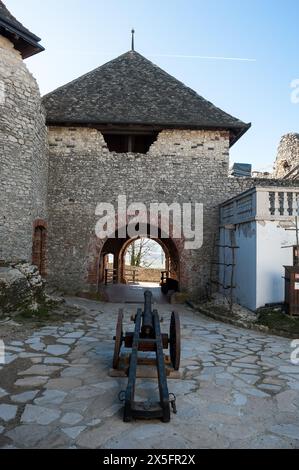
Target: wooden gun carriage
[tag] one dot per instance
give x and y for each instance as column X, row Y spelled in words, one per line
column 147, row 337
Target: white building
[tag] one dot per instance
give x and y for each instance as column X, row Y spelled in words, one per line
column 261, row 224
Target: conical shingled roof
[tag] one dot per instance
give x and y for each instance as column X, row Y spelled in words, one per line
column 131, row 90
column 24, row 40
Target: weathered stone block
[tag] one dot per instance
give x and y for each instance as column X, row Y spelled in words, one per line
column 14, row 290
column 21, row 289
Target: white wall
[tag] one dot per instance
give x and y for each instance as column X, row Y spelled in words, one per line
column 245, row 269
column 271, row 258
column 259, row 262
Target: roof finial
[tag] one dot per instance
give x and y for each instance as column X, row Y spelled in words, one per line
column 133, row 39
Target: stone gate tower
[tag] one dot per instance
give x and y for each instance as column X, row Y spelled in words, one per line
column 129, row 128
column 23, row 156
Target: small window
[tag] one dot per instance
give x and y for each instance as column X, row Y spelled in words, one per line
column 125, row 143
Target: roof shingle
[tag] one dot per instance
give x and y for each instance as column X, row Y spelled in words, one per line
column 131, row 90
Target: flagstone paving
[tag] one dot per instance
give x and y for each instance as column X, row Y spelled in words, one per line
column 238, row 387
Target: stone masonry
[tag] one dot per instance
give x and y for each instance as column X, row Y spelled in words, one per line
column 287, row 156
column 23, row 155
column 49, row 195
column 181, row 166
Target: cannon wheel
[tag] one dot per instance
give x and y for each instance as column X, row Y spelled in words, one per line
column 118, row 338
column 175, row 340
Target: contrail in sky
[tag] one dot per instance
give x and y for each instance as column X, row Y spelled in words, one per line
column 174, row 56
column 178, row 56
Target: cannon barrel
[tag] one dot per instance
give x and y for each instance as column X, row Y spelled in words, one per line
column 147, row 318
column 148, row 338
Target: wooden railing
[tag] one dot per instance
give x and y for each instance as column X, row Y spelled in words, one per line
column 110, row 276
column 131, row 275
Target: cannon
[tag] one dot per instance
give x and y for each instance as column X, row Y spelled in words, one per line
column 147, row 337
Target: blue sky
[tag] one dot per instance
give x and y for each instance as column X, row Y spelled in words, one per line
column 80, row 35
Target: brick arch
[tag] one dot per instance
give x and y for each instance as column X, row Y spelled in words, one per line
column 39, row 245
column 97, row 249
column 170, row 251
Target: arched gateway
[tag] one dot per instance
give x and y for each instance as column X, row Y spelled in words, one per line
column 129, row 128
column 117, row 246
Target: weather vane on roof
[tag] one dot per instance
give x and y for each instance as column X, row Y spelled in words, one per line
column 133, row 39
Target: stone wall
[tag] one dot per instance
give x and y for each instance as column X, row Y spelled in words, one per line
column 287, row 156
column 23, row 155
column 181, row 166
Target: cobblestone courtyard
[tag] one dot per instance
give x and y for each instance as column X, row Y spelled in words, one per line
column 238, row 390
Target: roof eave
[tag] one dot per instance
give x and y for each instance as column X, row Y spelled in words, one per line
column 27, row 44
column 241, row 131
